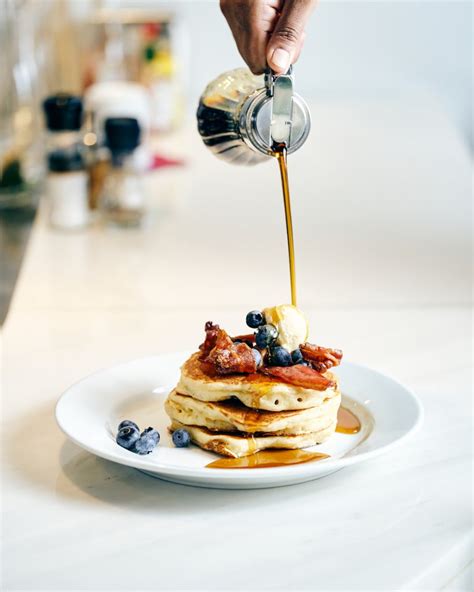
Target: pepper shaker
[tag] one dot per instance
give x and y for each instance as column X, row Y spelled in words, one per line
column 67, row 178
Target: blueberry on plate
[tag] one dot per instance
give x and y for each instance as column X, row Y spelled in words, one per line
column 297, row 356
column 147, row 441
column 254, row 319
column 266, row 335
column 126, row 423
column 181, row 438
column 279, row 356
column 127, row 437
column 153, row 434
column 257, row 356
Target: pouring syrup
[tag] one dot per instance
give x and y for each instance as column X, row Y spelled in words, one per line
column 280, row 153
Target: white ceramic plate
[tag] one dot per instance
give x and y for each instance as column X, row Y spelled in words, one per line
column 89, row 412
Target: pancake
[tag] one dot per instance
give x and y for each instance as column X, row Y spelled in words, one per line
column 236, row 446
column 232, row 416
column 253, row 390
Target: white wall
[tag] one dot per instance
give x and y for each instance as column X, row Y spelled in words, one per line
column 354, row 48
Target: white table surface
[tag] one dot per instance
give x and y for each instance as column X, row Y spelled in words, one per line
column 383, row 266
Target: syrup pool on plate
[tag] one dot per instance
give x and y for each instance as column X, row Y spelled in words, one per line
column 347, row 423
column 267, row 458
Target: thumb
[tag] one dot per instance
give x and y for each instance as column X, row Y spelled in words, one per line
column 286, row 39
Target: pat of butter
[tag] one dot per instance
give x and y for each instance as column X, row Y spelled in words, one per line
column 291, row 324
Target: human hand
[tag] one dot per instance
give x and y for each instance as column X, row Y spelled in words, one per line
column 268, row 32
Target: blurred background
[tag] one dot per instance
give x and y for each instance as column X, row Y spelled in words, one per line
column 381, row 189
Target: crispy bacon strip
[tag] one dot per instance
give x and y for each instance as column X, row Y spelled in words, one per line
column 321, row 358
column 249, row 338
column 210, row 340
column 299, row 375
column 229, row 357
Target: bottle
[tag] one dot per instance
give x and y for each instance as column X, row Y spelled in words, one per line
column 241, row 117
column 21, row 149
column 122, row 200
column 63, row 114
column 67, row 190
column 67, row 177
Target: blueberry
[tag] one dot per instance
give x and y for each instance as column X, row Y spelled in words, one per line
column 266, row 334
column 279, row 356
column 147, row 441
column 254, row 319
column 153, row 434
column 297, row 356
column 257, row 356
column 126, row 423
column 127, row 437
column 181, row 438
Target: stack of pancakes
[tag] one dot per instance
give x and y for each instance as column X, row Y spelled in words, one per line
column 238, row 415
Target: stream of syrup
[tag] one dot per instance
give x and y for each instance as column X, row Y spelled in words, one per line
column 347, row 423
column 280, row 154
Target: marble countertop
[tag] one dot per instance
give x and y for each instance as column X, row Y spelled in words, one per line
column 384, row 281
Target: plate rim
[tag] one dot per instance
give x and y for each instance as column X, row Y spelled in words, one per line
column 135, row 461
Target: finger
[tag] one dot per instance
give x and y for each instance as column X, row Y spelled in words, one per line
column 254, row 51
column 287, row 37
column 251, row 39
column 252, row 23
column 268, row 25
column 262, row 21
column 268, row 19
column 252, row 47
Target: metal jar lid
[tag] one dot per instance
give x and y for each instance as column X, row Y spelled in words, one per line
column 275, row 112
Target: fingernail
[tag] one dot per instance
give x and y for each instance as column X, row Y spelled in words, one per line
column 281, row 58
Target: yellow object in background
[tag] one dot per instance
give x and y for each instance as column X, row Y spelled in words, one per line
column 158, row 75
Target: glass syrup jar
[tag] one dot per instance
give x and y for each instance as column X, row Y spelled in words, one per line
column 241, row 117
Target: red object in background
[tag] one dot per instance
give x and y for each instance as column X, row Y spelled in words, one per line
column 151, row 30
column 159, row 162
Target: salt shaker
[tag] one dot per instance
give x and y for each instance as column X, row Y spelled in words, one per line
column 67, row 191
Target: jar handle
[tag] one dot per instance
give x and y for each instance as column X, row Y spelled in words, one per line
column 280, row 88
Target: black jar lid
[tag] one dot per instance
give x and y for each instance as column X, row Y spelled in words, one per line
column 61, row 161
column 63, row 112
column 122, row 134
